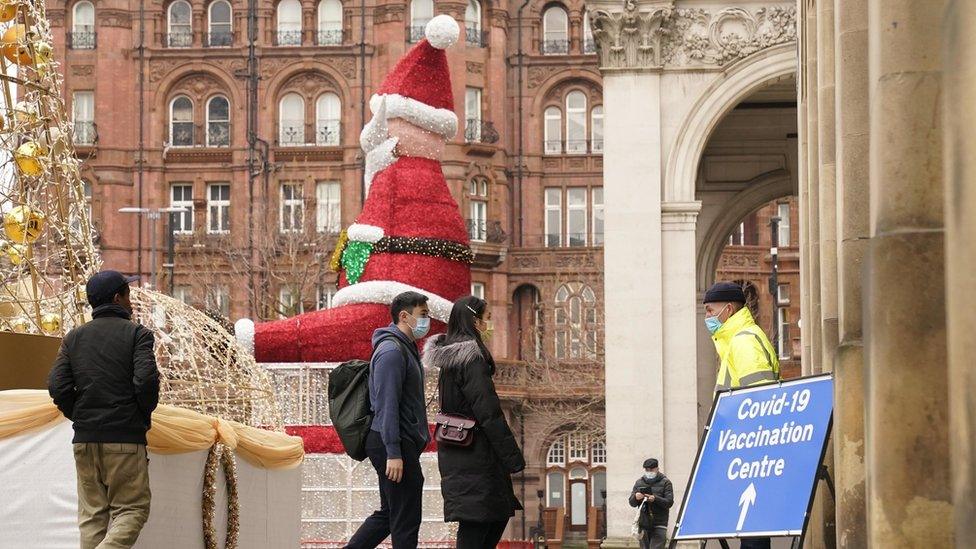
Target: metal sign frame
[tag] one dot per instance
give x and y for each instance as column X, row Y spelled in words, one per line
column 798, row 537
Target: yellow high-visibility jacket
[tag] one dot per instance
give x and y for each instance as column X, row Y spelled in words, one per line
column 747, row 355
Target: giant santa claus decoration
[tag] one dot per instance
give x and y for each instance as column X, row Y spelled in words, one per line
column 409, row 235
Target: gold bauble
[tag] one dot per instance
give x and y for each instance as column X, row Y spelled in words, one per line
column 53, row 139
column 43, row 52
column 28, row 158
column 8, row 10
column 15, row 253
column 25, row 113
column 23, row 224
column 21, row 325
column 14, row 43
column 51, row 323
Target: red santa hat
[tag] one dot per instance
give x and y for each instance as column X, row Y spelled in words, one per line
column 418, row 89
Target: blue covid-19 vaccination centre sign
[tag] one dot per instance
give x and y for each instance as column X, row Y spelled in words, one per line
column 759, row 462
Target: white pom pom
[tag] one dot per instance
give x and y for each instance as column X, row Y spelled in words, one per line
column 442, row 32
column 244, row 332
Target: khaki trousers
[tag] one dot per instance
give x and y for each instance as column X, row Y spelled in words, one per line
column 113, row 493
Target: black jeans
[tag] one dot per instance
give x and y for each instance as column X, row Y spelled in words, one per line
column 755, row 543
column 480, row 535
column 654, row 539
column 400, row 502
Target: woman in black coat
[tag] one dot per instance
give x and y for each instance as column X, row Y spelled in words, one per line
column 476, row 480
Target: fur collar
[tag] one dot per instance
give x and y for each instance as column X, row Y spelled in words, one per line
column 438, row 355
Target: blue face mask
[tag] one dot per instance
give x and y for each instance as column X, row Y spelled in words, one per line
column 712, row 324
column 422, row 327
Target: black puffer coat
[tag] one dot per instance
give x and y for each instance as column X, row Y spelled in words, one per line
column 476, row 481
column 655, row 514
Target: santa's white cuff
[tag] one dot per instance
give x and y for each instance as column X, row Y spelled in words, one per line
column 439, row 121
column 360, row 232
column 383, row 292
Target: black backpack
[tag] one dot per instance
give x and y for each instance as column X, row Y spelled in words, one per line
column 349, row 407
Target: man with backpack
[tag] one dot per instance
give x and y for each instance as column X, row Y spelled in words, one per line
column 399, row 431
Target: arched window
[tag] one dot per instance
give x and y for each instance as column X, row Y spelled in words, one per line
column 553, row 130
column 180, row 25
column 576, row 123
column 596, row 129
column 218, row 122
column 555, row 31
column 575, row 308
column 328, row 116
column 575, row 467
column 330, row 23
column 221, row 26
column 589, row 45
column 291, row 120
column 421, row 12
column 289, row 23
column 181, row 122
column 472, row 24
column 82, row 26
column 557, row 453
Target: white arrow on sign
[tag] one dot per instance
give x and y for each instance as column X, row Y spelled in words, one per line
column 747, row 498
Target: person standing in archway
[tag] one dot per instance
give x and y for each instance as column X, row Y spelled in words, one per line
column 747, row 356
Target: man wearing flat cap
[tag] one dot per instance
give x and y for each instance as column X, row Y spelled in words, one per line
column 106, row 382
column 747, row 356
column 654, row 495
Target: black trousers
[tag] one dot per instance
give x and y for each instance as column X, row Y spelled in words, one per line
column 755, row 543
column 400, row 502
column 480, row 535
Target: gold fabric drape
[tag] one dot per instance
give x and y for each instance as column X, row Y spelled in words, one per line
column 174, row 430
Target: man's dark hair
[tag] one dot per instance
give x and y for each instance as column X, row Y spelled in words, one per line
column 122, row 291
column 406, row 302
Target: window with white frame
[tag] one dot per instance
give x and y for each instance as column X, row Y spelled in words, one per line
column 324, row 294
column 181, row 196
column 599, row 488
column 181, row 122
column 289, row 301
column 555, row 31
column 328, row 117
column 783, row 294
column 472, row 115
column 328, row 207
column 554, row 217
column 83, row 113
column 576, row 325
column 180, row 25
column 478, row 205
column 472, row 24
column 576, row 123
column 421, row 12
column 82, row 35
column 556, row 489
column 220, row 24
column 576, row 216
column 478, row 290
column 556, row 457
column 589, row 45
column 553, row 131
column 596, row 129
column 598, row 453
column 578, row 450
column 218, row 208
column 183, row 294
column 597, row 207
column 330, row 23
column 783, row 211
column 218, row 299
column 289, row 23
column 218, row 122
column 783, row 343
column 291, row 120
column 292, row 207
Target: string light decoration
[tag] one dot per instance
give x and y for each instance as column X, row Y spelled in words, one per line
column 223, row 457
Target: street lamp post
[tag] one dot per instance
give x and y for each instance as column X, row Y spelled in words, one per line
column 774, row 278
column 154, row 215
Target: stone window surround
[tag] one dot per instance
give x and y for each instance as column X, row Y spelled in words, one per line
column 199, row 113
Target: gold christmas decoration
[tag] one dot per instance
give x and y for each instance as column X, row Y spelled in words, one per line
column 28, row 158
column 14, row 253
column 15, row 45
column 23, row 224
column 43, row 52
column 51, row 323
column 25, row 113
column 20, row 325
column 8, row 11
column 53, row 140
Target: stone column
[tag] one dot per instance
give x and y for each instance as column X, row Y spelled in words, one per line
column 907, row 415
column 960, row 132
column 811, row 327
column 635, row 307
column 851, row 68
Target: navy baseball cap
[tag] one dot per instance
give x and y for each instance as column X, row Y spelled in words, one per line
column 103, row 286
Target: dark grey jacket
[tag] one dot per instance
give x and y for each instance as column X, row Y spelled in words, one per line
column 105, row 378
column 396, row 391
column 655, row 514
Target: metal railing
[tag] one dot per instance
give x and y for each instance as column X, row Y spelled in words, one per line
column 182, row 39
column 84, row 133
column 415, row 33
column 480, row 131
column 220, row 39
column 327, row 133
column 182, row 134
column 482, row 230
column 288, row 38
column 84, row 40
column 554, row 47
column 291, row 134
column 475, row 37
column 218, row 134
column 330, row 37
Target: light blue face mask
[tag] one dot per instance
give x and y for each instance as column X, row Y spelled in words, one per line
column 422, row 327
column 712, row 324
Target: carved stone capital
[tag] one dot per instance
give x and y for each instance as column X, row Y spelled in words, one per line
column 629, row 38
